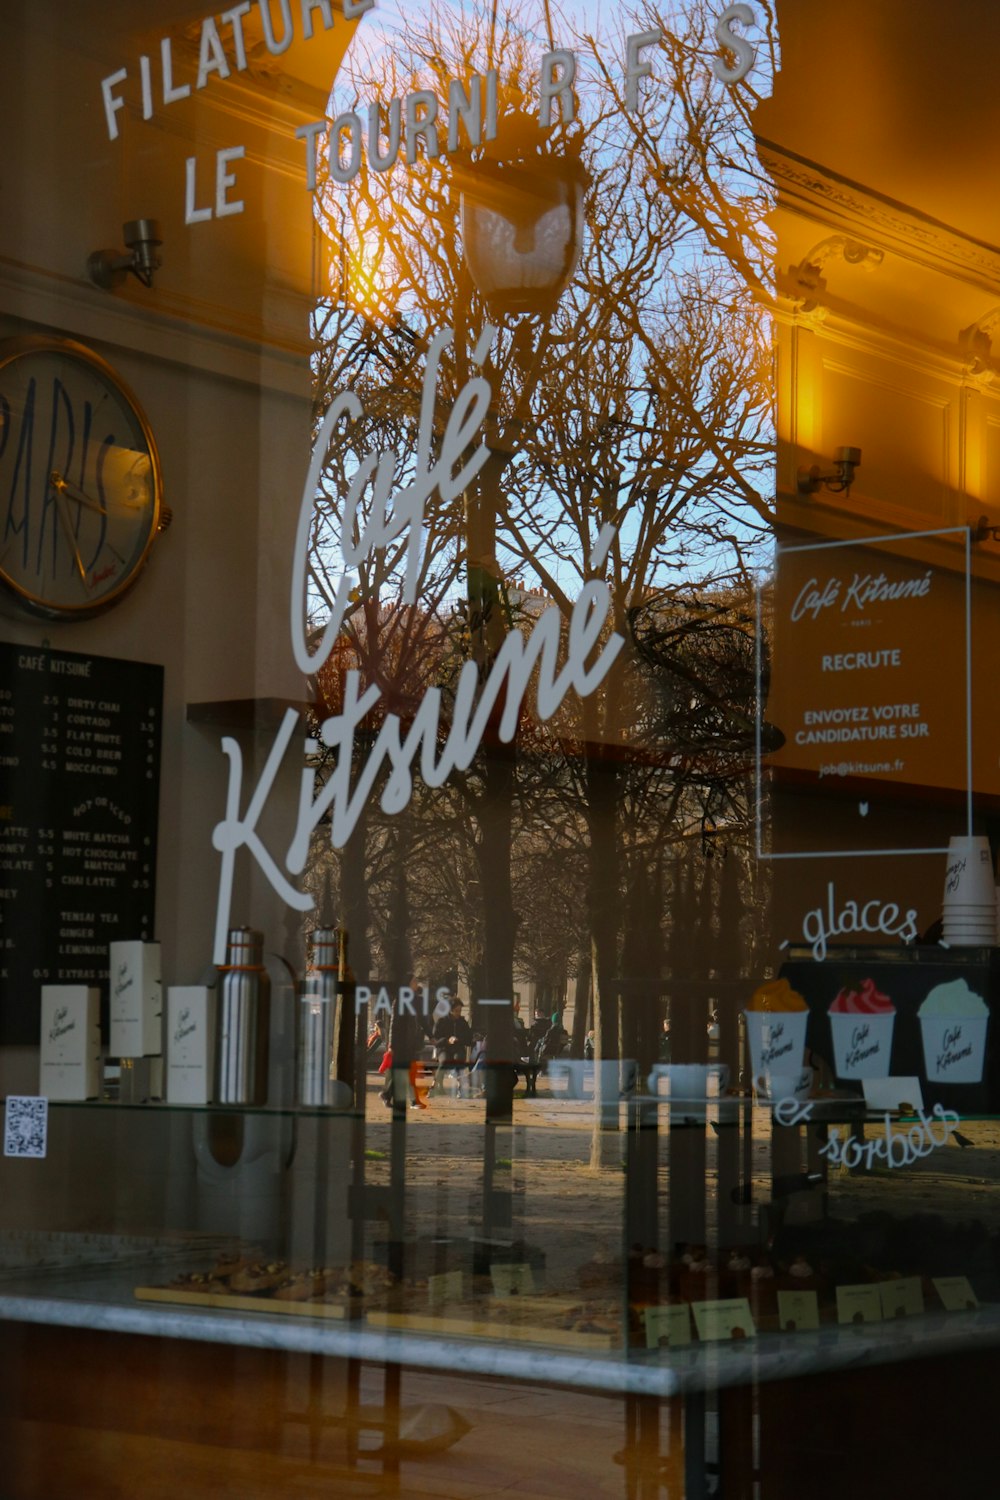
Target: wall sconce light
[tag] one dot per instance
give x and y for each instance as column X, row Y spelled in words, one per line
column 109, row 268
column 983, row 531
column 837, row 480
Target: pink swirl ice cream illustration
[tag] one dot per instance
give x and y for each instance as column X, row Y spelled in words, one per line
column 867, row 1001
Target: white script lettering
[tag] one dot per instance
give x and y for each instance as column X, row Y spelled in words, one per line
column 474, row 704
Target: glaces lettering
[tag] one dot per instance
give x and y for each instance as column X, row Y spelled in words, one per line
column 507, row 682
column 819, row 925
column 895, row 1149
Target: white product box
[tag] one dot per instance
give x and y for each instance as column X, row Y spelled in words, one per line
column 70, row 1042
column 190, row 1043
column 136, row 999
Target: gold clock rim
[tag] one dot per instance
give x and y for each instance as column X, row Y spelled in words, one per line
column 22, row 345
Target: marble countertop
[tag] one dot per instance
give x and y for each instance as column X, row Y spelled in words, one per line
column 102, row 1300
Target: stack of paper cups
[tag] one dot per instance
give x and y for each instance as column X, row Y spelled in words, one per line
column 970, row 903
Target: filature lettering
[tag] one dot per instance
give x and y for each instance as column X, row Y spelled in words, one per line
column 214, row 60
column 473, row 704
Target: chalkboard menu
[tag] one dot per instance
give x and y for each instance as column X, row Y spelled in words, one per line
column 79, row 789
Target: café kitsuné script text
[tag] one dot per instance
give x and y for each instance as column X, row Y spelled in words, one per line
column 420, row 123
column 589, row 649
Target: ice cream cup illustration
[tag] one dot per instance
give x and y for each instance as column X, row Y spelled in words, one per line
column 776, row 1020
column 861, row 1021
column 953, row 1020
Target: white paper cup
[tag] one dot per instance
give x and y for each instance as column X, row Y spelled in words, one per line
column 777, row 1040
column 954, row 1048
column 969, row 873
column 862, row 1044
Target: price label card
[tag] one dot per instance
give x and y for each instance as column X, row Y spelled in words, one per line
column 902, row 1298
column 512, row 1278
column 445, row 1288
column 667, row 1326
column 956, row 1293
column 859, row 1304
column 729, row 1318
column 798, row 1310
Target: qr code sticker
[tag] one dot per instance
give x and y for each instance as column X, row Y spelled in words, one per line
column 26, row 1126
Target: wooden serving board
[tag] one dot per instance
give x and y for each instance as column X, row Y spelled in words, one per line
column 233, row 1302
column 534, row 1304
column 482, row 1328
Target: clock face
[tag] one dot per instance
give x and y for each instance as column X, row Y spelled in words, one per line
column 79, row 479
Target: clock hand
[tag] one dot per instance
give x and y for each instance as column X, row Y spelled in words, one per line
column 64, row 488
column 80, row 497
column 64, row 518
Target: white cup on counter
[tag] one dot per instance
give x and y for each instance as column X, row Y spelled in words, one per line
column 688, row 1082
column 775, row 1086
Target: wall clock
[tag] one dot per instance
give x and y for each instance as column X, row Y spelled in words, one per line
column 80, row 486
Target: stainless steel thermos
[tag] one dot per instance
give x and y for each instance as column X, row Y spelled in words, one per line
column 317, row 1012
column 244, row 1021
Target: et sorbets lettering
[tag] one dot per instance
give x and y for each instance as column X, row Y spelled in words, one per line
column 589, row 652
column 899, row 1148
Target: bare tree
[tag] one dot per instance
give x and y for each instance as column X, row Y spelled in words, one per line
column 641, row 397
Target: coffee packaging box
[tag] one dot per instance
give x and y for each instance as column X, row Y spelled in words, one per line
column 135, row 999
column 70, row 1066
column 190, row 1043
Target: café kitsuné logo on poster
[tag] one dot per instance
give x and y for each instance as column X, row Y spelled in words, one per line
column 419, row 124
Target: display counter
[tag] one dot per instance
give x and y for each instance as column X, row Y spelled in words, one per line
column 104, row 1303
column 134, row 1204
